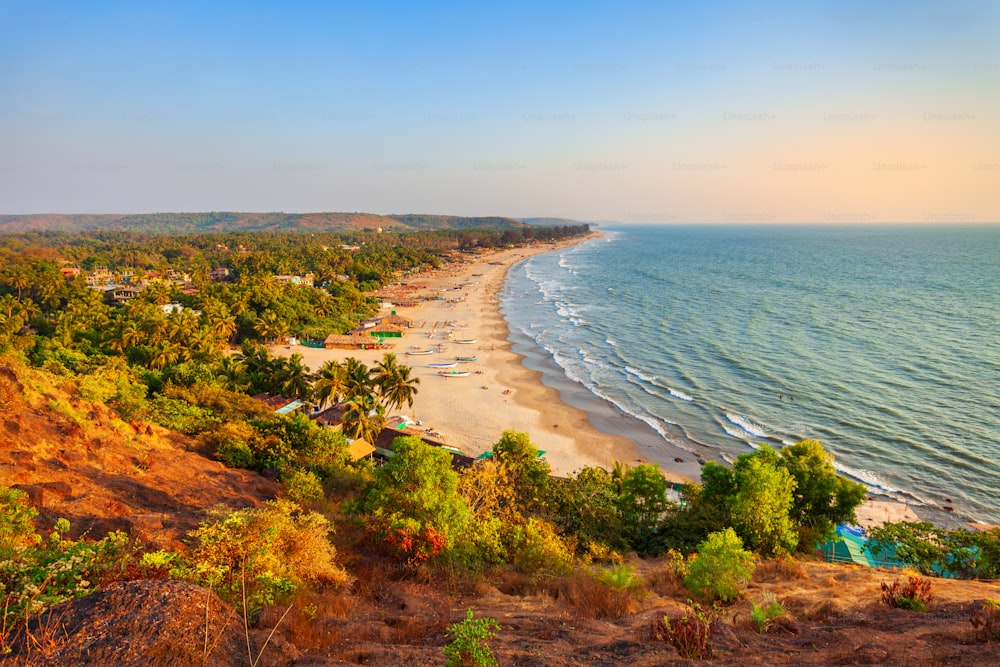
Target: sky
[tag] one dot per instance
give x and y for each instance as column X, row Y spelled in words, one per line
column 657, row 112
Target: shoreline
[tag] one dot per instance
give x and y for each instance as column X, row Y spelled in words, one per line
column 506, row 390
column 516, row 385
column 501, row 393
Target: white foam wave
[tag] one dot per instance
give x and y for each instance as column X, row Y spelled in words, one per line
column 639, row 374
column 739, row 435
column 878, row 485
column 679, row 394
column 610, row 342
column 748, row 425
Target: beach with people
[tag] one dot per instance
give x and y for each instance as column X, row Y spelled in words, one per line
column 456, row 318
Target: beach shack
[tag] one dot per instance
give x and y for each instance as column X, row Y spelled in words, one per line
column 385, row 330
column 351, row 342
column 280, row 404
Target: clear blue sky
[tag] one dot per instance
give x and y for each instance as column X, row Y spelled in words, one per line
column 641, row 111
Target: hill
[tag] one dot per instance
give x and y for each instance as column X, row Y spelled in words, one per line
column 77, row 459
column 187, row 223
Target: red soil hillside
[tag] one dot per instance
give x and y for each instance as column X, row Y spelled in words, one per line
column 79, row 461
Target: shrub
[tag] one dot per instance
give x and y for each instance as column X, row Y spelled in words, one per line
column 536, row 549
column 610, row 594
column 621, row 577
column 468, row 647
column 57, row 569
column 722, row 568
column 179, row 415
column 986, row 621
column 763, row 616
column 264, row 554
column 302, row 486
column 914, row 594
column 17, row 521
column 690, row 632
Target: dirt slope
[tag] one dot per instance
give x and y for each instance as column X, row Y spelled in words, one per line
column 78, row 461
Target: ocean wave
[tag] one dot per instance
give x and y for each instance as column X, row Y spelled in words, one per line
column 748, row 425
column 679, row 394
column 639, row 374
column 877, row 485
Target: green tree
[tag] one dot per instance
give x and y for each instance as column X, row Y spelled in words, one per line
column 527, row 473
column 822, row 498
column 364, row 418
column 722, row 568
column 414, row 500
column 762, row 501
column 293, row 378
column 394, row 383
column 588, row 507
column 328, row 386
column 642, row 503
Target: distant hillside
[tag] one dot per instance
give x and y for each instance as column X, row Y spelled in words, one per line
column 428, row 222
column 187, row 223
column 549, row 222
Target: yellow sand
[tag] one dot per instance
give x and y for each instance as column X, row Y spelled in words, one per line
column 472, row 412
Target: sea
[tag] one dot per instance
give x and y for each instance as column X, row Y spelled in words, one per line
column 883, row 343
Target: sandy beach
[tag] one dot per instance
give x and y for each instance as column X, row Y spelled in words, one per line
column 500, row 393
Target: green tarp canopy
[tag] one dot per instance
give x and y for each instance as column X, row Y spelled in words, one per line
column 847, row 547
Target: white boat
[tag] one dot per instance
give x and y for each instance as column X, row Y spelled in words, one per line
column 468, row 341
column 454, row 374
column 446, row 364
column 420, row 352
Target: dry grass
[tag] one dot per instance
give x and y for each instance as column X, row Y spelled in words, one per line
column 591, row 598
column 779, row 569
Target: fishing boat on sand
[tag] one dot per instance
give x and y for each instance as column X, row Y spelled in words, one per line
column 419, row 351
column 454, row 374
column 472, row 358
column 468, row 341
column 446, row 364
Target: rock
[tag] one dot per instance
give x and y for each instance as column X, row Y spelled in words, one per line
column 140, row 623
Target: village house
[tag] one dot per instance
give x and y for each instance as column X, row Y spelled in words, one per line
column 307, row 279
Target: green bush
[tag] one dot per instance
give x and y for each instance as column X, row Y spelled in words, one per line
column 763, row 615
column 17, row 522
column 722, row 568
column 302, row 486
column 468, row 647
column 179, row 415
column 536, row 549
column 47, row 572
column 621, row 577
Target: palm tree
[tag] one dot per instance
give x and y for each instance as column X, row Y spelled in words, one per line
column 293, row 378
column 235, row 371
column 270, row 326
column 329, row 385
column 357, row 378
column 394, row 383
column 18, row 279
column 364, row 418
column 164, row 355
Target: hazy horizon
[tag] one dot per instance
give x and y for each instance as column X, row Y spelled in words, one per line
column 767, row 112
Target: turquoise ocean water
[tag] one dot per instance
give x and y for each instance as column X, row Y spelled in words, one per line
column 881, row 343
